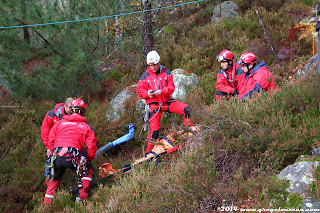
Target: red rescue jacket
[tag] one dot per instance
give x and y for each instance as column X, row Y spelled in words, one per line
column 227, row 81
column 51, row 117
column 259, row 79
column 152, row 81
column 73, row 131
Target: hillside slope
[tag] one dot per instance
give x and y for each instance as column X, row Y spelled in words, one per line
column 235, row 158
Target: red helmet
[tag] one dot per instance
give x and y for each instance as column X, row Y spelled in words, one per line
column 247, row 58
column 225, row 55
column 78, row 106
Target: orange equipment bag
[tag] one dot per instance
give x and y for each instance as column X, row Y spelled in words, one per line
column 106, row 170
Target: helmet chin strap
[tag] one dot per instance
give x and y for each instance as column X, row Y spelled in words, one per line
column 230, row 65
column 249, row 69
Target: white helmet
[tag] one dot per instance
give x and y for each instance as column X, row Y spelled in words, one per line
column 153, row 57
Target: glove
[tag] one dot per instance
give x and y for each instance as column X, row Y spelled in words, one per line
column 48, row 153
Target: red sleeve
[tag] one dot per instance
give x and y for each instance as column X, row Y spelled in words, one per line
column 263, row 79
column 91, row 143
column 221, row 86
column 142, row 89
column 47, row 124
column 52, row 136
column 169, row 89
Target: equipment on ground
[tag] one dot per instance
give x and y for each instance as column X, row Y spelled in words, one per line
column 120, row 140
column 164, row 145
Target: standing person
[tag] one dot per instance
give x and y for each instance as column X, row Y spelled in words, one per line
column 53, row 116
column 257, row 77
column 228, row 75
column 66, row 141
column 156, row 86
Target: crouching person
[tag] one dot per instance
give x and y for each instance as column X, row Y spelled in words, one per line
column 66, row 141
column 257, row 78
column 228, row 75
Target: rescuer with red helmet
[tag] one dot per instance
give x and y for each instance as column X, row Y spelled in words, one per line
column 228, row 74
column 257, row 77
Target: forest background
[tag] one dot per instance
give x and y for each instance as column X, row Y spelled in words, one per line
column 242, row 146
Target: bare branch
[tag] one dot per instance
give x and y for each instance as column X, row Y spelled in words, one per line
column 265, row 33
column 45, row 40
column 5, row 151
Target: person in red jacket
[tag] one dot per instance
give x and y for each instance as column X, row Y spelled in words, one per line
column 51, row 117
column 156, row 86
column 257, row 77
column 67, row 139
column 227, row 77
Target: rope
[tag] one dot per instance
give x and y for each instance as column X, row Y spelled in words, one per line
column 174, row 124
column 307, row 73
column 103, row 17
column 265, row 33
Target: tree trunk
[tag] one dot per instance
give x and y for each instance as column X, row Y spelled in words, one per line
column 26, row 35
column 147, row 33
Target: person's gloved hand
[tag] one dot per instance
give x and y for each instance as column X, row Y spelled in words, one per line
column 150, row 93
column 158, row 92
column 48, row 152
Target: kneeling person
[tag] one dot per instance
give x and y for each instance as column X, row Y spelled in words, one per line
column 257, row 77
column 228, row 75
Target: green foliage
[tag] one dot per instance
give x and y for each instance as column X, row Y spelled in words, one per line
column 22, row 156
column 270, row 5
column 314, row 186
column 277, row 194
column 52, row 61
column 309, row 2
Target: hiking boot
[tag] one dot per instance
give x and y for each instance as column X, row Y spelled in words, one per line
column 78, row 200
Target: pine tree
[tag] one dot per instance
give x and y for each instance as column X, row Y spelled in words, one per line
column 67, row 54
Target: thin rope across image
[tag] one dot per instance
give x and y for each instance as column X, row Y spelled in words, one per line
column 102, row 17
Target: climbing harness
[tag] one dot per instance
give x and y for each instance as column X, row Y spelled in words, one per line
column 156, row 111
column 49, row 167
column 82, row 169
column 149, row 116
column 48, row 162
column 79, row 161
column 145, row 117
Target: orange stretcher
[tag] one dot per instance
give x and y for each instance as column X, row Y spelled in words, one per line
column 165, row 145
